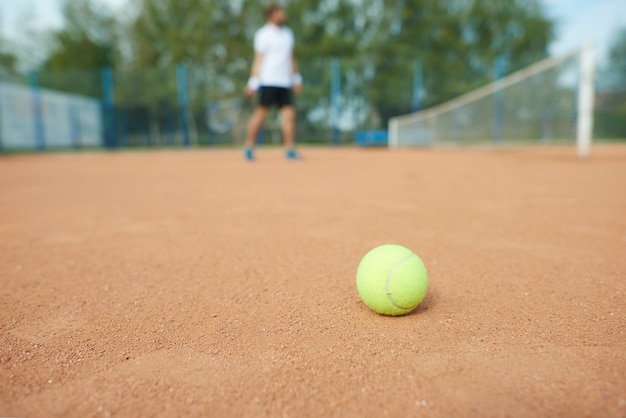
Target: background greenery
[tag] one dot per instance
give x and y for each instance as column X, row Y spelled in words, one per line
column 377, row 41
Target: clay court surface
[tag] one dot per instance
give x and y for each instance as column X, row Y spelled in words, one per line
column 188, row 283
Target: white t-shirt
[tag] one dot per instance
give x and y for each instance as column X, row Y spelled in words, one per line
column 276, row 45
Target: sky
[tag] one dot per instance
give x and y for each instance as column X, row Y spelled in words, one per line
column 581, row 21
column 578, row 21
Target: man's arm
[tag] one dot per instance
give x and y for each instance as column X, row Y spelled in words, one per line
column 255, row 72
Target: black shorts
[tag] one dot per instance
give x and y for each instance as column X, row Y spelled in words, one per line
column 275, row 96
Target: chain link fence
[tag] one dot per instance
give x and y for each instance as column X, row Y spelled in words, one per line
column 204, row 106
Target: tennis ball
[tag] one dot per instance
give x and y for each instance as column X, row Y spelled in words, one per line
column 392, row 280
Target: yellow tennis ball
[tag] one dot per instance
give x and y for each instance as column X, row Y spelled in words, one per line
column 392, row 280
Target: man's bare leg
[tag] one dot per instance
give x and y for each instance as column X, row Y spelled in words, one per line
column 254, row 125
column 288, row 116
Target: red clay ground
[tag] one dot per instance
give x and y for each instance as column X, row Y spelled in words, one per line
column 192, row 284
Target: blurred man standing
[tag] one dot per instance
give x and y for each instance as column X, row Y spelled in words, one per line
column 274, row 76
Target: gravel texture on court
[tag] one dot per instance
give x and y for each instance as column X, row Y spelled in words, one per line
column 192, row 284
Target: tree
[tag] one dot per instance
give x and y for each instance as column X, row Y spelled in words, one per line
column 614, row 76
column 457, row 42
column 85, row 45
column 8, row 60
column 8, row 64
column 611, row 99
column 378, row 42
column 170, row 32
column 211, row 38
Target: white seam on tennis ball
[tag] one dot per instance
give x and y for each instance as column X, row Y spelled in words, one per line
column 388, row 286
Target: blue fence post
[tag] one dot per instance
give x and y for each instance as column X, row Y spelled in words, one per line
column 40, row 134
column 108, row 102
column 418, row 86
column 335, row 97
column 75, row 125
column 183, row 101
column 498, row 100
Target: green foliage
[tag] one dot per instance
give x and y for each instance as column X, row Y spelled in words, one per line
column 170, row 32
column 615, row 72
column 457, row 42
column 611, row 100
column 378, row 42
column 86, row 41
column 8, row 63
column 8, row 60
column 80, row 49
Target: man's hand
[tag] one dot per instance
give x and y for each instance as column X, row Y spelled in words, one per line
column 252, row 86
column 249, row 91
column 297, row 82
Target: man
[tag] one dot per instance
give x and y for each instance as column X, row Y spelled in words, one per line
column 274, row 75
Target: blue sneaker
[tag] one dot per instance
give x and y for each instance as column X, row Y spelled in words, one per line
column 293, row 155
column 249, row 154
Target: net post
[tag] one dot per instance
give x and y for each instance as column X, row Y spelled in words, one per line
column 40, row 134
column 584, row 131
column 393, row 133
column 183, row 101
